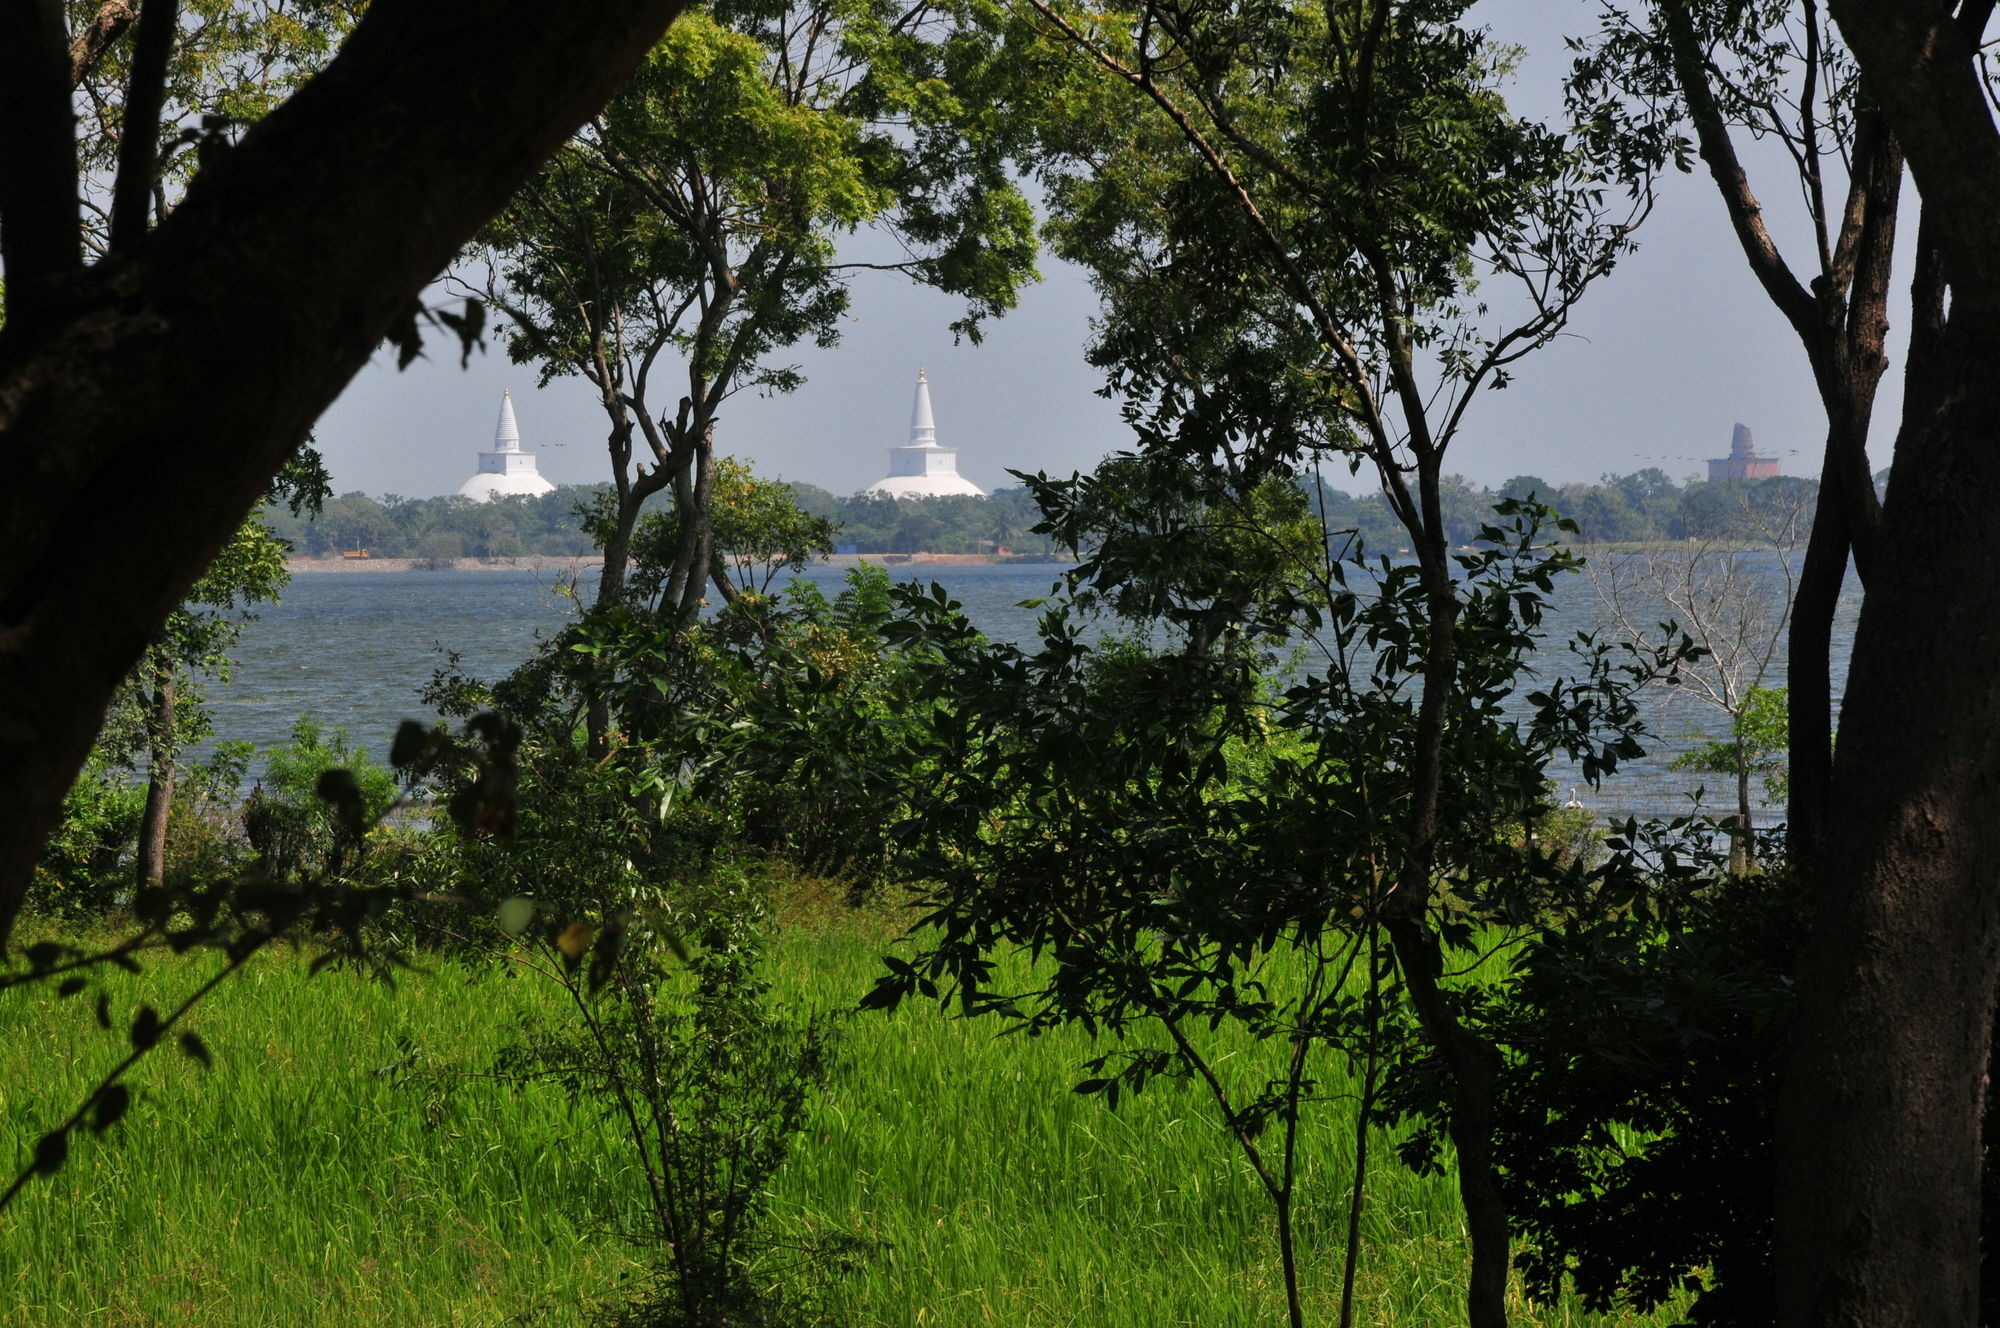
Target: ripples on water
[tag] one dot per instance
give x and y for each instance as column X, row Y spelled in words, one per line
column 355, row 650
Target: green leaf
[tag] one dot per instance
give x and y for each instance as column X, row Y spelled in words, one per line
column 192, row 1044
column 51, row 1151
column 111, row 1104
column 515, row 914
column 412, row 739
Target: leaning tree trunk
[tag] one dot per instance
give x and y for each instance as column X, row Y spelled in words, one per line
column 152, row 864
column 693, row 497
column 617, row 553
column 1879, row 1128
column 1472, row 1064
column 150, row 398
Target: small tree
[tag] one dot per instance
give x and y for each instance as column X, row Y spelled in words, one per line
column 1755, row 746
column 1735, row 604
column 1290, row 211
column 196, row 641
column 759, row 532
column 1176, row 849
column 708, row 1085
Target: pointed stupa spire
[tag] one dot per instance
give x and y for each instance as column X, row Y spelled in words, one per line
column 506, row 434
column 923, row 429
column 506, row 469
column 922, row 467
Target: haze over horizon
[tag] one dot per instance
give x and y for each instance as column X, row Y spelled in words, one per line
column 1663, row 357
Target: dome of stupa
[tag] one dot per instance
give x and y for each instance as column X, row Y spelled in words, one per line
column 921, row 468
column 506, row 470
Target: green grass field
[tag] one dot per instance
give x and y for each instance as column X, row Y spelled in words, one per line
column 303, row 1182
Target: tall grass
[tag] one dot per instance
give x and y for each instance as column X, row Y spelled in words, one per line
column 303, row 1181
column 1005, row 1198
column 298, row 1182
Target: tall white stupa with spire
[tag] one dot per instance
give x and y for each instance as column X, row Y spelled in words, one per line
column 506, row 470
column 921, row 468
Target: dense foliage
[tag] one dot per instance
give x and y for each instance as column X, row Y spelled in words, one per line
column 444, row 529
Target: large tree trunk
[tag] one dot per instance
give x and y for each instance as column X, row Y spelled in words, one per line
column 617, row 556
column 1879, row 1125
column 1879, row 1140
column 160, row 762
column 145, row 408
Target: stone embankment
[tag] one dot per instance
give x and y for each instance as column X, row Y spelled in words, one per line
column 312, row 566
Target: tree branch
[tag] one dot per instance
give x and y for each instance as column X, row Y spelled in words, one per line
column 1924, row 68
column 139, row 138
column 1746, row 214
column 106, row 26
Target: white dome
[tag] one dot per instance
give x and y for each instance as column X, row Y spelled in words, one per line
column 506, row 470
column 921, row 468
column 486, row 485
column 924, row 486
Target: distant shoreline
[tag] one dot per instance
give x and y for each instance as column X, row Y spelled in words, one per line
column 582, row 564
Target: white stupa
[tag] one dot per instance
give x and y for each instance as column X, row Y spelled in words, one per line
column 506, row 470
column 920, row 468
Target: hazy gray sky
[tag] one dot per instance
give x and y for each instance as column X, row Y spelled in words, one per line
column 1663, row 357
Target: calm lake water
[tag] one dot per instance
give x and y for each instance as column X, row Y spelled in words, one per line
column 355, row 651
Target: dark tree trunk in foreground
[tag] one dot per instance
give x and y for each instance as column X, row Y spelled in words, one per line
column 1880, row 1122
column 148, row 401
column 1879, row 1126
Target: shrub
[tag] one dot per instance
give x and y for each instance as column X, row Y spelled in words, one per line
column 286, row 819
column 709, row 1085
column 87, row 867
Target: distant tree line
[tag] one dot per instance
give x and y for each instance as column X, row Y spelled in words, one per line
column 452, row 527
column 1002, row 521
column 1645, row 506
column 445, row 528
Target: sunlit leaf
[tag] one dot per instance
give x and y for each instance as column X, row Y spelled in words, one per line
column 574, row 942
column 515, row 914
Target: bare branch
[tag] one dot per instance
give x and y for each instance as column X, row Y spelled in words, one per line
column 1746, row 214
